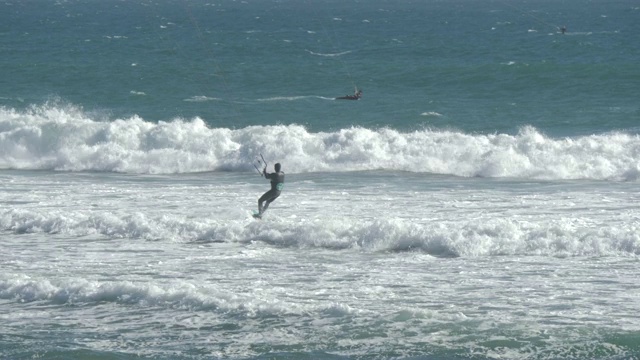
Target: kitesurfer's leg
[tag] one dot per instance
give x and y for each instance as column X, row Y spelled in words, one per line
column 270, row 197
column 262, row 199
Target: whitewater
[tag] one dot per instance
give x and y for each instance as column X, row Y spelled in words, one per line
column 480, row 200
column 366, row 265
column 50, row 137
column 135, row 239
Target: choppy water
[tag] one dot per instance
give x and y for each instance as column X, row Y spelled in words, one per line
column 480, row 201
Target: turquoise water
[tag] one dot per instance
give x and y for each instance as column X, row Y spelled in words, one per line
column 480, row 201
column 486, row 66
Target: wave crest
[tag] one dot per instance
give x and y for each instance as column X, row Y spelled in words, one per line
column 472, row 238
column 65, row 138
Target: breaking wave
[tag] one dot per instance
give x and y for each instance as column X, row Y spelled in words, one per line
column 51, row 137
column 472, row 238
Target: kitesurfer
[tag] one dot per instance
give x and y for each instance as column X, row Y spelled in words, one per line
column 277, row 183
column 356, row 96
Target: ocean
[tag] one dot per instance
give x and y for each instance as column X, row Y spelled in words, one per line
column 480, row 201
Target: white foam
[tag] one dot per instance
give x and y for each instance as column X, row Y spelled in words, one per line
column 64, row 138
column 562, row 236
column 328, row 54
column 283, row 98
column 174, row 295
column 201, row 98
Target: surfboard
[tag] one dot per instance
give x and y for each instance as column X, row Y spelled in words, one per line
column 256, row 215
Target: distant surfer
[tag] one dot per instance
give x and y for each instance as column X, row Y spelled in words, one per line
column 277, row 183
column 563, row 29
column 356, row 96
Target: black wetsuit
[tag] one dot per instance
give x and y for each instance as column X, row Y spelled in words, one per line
column 355, row 96
column 277, row 183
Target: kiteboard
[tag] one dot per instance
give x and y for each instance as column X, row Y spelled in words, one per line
column 257, row 215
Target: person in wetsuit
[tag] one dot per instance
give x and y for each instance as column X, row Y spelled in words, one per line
column 356, row 96
column 277, row 183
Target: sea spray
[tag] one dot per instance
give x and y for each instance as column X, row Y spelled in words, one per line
column 53, row 138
